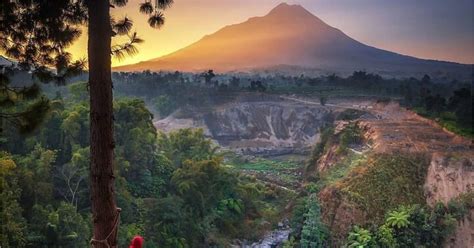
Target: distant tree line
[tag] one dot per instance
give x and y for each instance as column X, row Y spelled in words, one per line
column 449, row 101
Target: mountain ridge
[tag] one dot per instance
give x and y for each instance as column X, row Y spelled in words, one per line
column 287, row 35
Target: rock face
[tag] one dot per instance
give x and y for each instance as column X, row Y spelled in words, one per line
column 263, row 126
column 259, row 127
column 448, row 177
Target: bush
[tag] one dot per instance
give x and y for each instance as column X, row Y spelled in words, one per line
column 314, row 233
column 324, row 141
column 350, row 135
column 413, row 226
column 386, row 182
column 359, row 238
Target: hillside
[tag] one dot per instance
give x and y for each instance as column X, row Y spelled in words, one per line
column 288, row 35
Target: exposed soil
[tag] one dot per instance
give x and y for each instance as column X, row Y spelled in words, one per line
column 451, row 172
column 396, row 129
column 448, row 177
column 264, row 127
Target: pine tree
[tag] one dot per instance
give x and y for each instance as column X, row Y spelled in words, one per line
column 36, row 34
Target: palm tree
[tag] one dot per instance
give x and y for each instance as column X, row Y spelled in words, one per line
column 398, row 218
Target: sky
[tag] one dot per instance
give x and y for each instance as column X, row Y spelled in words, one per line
column 431, row 29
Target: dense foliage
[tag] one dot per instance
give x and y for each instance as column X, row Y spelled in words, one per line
column 412, row 226
column 177, row 191
column 173, row 188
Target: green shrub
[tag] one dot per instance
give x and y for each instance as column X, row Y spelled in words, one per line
column 314, row 233
column 398, row 219
column 325, row 140
column 359, row 238
column 384, row 237
column 412, row 226
column 350, row 135
column 386, row 182
column 298, row 215
column 426, row 228
column 457, row 209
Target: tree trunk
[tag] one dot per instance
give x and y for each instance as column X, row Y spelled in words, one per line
column 104, row 209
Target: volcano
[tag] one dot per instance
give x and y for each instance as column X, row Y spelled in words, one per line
column 288, row 35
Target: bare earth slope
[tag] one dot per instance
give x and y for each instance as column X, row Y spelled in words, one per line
column 450, row 172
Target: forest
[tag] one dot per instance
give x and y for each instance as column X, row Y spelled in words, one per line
column 172, row 188
column 177, row 189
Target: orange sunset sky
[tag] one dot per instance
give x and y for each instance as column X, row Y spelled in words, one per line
column 404, row 27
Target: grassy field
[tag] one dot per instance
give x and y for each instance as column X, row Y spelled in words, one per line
column 340, row 170
column 283, row 172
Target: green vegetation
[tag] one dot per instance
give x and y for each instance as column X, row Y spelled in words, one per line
column 313, row 233
column 261, row 164
column 359, row 238
column 286, row 172
column 453, row 113
column 408, row 226
column 178, row 191
column 164, row 105
column 341, row 169
column 173, row 188
column 447, row 120
column 326, row 139
column 388, row 187
column 13, row 224
column 351, row 135
column 386, row 182
column 398, row 219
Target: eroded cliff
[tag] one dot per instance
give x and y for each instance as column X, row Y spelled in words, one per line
column 258, row 127
column 446, row 173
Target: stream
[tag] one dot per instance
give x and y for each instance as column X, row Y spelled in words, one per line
column 273, row 239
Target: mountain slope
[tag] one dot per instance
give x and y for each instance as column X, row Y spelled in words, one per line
column 288, row 35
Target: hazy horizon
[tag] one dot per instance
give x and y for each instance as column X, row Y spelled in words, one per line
column 436, row 30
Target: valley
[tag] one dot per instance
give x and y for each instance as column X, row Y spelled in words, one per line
column 258, row 138
column 243, row 124
column 272, row 160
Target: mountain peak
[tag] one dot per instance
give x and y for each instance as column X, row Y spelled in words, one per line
column 287, row 35
column 289, row 9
